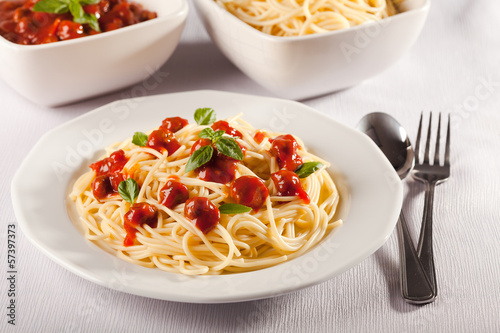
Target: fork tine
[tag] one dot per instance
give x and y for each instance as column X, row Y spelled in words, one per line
column 447, row 147
column 417, row 143
column 428, row 143
column 436, row 152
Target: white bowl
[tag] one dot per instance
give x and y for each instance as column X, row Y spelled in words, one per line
column 312, row 65
column 65, row 72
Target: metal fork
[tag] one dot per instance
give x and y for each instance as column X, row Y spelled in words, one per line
column 431, row 175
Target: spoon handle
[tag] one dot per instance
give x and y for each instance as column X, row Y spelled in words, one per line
column 415, row 285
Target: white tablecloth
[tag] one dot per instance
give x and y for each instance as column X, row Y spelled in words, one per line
column 454, row 67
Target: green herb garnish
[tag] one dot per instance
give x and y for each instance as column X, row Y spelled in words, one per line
column 72, row 6
column 225, row 145
column 209, row 133
column 232, row 208
column 140, row 139
column 199, row 157
column 229, row 147
column 308, row 168
column 128, row 190
column 204, row 116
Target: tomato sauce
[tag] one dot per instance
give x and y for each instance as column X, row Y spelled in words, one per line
column 138, row 215
column 284, row 148
column 223, row 125
column 249, row 191
column 21, row 25
column 173, row 193
column 288, row 184
column 163, row 140
column 203, row 213
column 173, row 124
column 200, row 143
column 220, row 169
column 259, row 136
column 108, row 175
column 115, row 162
column 104, row 187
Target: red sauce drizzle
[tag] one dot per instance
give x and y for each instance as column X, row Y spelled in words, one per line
column 200, row 143
column 223, row 125
column 106, row 186
column 173, row 124
column 220, row 169
column 284, row 148
column 115, row 162
column 203, row 213
column 173, row 193
column 288, row 184
column 249, row 191
column 259, row 136
column 163, row 140
column 138, row 215
column 19, row 24
column 108, row 175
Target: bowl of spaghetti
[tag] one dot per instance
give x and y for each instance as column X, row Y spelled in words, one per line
column 239, row 204
column 53, row 57
column 302, row 49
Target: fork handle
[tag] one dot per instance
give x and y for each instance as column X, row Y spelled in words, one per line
column 424, row 249
column 415, row 286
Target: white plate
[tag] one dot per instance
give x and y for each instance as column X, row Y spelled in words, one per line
column 371, row 196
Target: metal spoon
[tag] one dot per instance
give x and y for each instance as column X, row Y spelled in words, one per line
column 393, row 140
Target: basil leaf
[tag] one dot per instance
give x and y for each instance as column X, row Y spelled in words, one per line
column 218, row 135
column 207, row 133
column 92, row 21
column 204, row 116
column 232, row 208
column 128, row 190
column 73, row 6
column 76, row 10
column 140, row 139
column 89, row 2
column 199, row 157
column 89, row 19
column 80, row 16
column 51, row 6
column 308, row 168
column 229, row 147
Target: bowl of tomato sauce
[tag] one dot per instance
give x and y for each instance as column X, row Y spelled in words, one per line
column 56, row 52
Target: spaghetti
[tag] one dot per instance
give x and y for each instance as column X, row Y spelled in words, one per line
column 304, row 17
column 224, row 215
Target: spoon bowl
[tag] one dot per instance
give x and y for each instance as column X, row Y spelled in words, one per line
column 391, row 138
